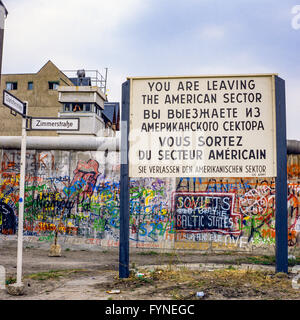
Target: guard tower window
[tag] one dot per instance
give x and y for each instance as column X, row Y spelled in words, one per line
column 53, row 85
column 11, row 85
column 98, row 111
column 30, row 85
column 76, row 107
column 67, row 107
column 81, row 107
column 87, row 107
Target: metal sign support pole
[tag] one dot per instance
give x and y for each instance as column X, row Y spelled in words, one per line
column 281, row 218
column 124, row 186
column 21, row 201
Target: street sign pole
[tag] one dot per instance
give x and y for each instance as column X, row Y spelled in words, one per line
column 21, row 201
column 20, row 107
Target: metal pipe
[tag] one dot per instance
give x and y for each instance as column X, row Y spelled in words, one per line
column 87, row 143
column 62, row 143
column 293, row 147
column 105, row 80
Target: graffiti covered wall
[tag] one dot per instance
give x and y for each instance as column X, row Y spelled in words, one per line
column 76, row 195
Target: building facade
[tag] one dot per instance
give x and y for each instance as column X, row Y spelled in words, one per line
column 39, row 90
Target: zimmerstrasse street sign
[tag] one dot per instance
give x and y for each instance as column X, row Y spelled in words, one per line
column 56, row 124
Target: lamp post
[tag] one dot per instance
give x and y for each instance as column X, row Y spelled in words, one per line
column 3, row 15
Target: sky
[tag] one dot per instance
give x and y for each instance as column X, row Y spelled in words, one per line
column 158, row 38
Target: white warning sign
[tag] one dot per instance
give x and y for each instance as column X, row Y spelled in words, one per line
column 217, row 126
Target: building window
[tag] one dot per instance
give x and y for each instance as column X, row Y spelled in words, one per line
column 67, row 107
column 98, row 111
column 87, row 107
column 77, row 107
column 30, row 85
column 11, row 85
column 53, row 85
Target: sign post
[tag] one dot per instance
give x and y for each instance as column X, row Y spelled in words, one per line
column 206, row 126
column 21, row 201
column 281, row 217
column 20, row 107
column 124, row 186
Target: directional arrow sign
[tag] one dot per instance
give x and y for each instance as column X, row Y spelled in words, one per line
column 14, row 103
column 56, row 124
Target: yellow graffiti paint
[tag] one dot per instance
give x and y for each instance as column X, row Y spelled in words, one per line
column 192, row 245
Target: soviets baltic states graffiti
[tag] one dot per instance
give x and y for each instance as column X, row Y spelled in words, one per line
column 77, row 195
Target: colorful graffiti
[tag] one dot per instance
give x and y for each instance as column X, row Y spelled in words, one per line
column 150, row 216
column 7, row 219
column 206, row 212
column 77, row 196
column 255, row 203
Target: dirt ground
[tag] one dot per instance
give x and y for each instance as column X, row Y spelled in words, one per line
column 93, row 275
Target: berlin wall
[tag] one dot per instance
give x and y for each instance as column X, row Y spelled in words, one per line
column 76, row 193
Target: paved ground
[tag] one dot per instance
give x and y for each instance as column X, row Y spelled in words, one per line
column 93, row 275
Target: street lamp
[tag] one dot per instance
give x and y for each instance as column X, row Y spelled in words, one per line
column 3, row 15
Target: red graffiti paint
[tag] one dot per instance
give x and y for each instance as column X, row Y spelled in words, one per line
column 85, row 175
